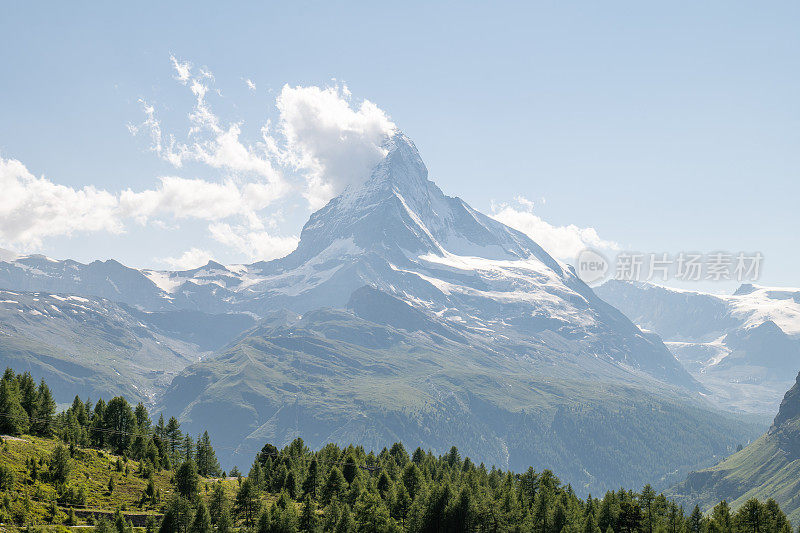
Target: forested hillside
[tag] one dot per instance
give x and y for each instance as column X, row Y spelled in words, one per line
column 107, row 464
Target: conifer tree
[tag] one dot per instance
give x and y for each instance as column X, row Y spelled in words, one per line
column 311, row 481
column 308, row 516
column 14, row 419
column 202, row 520
column 207, row 464
column 45, row 410
column 27, row 391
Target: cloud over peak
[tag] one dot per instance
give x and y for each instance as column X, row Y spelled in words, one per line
column 332, row 143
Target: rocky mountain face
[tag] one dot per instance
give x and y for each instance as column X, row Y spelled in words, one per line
column 743, row 347
column 406, row 315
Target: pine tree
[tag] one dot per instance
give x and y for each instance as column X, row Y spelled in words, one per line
column 14, row 419
column 247, row 502
column 60, row 464
column 694, row 524
column 45, row 410
column 142, row 418
column 384, row 485
column 400, row 503
column 646, row 498
column 98, row 432
column 224, row 522
column 291, row 485
column 334, row 486
column 187, row 448
column 589, row 525
column 349, row 470
column 202, row 520
column 186, row 480
column 721, row 518
column 173, row 436
column 207, row 464
column 217, row 503
column 308, row 516
column 346, row 523
column 120, row 424
column 264, row 522
column 311, row 481
column 27, row 390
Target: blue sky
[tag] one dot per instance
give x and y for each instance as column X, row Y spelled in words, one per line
column 664, row 128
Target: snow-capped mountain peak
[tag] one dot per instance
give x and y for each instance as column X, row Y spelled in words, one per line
column 400, row 234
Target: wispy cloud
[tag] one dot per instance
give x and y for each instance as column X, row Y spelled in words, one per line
column 562, row 242
column 192, row 258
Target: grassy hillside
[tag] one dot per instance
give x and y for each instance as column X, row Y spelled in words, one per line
column 767, row 468
column 335, row 377
column 90, row 472
column 762, row 470
column 338, row 489
column 29, row 501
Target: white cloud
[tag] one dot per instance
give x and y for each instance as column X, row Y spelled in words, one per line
column 321, row 136
column 331, row 142
column 562, row 242
column 323, row 143
column 184, row 198
column 192, row 258
column 210, row 141
column 182, row 69
column 250, row 84
column 256, row 244
column 33, row 208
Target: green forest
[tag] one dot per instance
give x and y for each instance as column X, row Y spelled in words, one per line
column 110, row 467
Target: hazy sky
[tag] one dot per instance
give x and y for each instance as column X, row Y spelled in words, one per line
column 138, row 132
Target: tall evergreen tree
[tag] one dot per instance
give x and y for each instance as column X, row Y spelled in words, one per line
column 186, row 480
column 247, row 502
column 206, row 458
column 14, row 419
column 202, row 520
column 119, row 424
column 174, row 437
column 98, row 430
column 27, row 391
column 311, row 481
column 43, row 424
column 142, row 418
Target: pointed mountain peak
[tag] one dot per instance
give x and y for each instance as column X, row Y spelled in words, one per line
column 401, row 213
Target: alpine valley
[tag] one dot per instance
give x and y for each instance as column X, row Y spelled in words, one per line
column 403, row 315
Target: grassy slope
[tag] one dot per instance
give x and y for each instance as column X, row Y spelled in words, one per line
column 276, row 384
column 761, row 470
column 91, row 470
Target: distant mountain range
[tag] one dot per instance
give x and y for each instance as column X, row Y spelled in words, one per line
column 744, row 348
column 403, row 315
column 93, row 346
